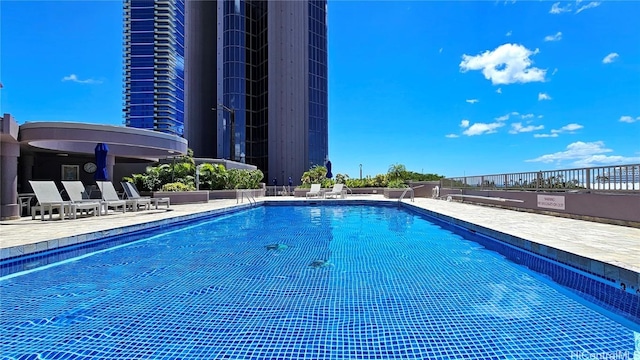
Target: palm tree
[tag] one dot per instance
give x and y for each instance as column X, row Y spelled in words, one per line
column 396, row 172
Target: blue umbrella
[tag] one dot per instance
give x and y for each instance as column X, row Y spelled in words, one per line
column 101, row 162
column 329, row 174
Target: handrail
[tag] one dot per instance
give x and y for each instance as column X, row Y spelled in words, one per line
column 348, row 189
column 249, row 197
column 243, row 193
column 404, row 193
column 412, row 193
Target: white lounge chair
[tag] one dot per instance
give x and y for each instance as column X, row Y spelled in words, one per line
column 316, row 191
column 49, row 199
column 78, row 194
column 109, row 194
column 336, row 191
column 131, row 192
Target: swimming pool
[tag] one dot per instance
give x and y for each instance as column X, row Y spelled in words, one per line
column 389, row 285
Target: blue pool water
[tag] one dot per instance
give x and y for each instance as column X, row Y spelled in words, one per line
column 395, row 286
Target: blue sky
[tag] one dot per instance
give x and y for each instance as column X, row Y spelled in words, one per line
column 447, row 87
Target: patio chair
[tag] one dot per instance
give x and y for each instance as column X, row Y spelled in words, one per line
column 49, row 199
column 131, row 192
column 336, row 191
column 78, row 194
column 316, row 191
column 109, row 194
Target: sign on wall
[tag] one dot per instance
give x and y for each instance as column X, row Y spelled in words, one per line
column 551, row 202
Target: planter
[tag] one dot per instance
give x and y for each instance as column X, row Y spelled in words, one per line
column 390, row 193
column 366, row 190
column 221, row 194
column 183, row 197
column 232, row 194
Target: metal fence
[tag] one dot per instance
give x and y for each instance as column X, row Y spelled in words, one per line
column 618, row 178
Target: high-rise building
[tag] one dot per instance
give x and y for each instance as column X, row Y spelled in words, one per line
column 154, row 65
column 257, row 69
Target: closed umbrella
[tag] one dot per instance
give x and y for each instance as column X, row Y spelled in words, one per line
column 101, row 162
column 329, row 174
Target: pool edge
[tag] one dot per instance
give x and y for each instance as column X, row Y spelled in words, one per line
column 609, row 275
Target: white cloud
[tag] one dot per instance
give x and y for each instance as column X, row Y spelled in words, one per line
column 595, row 160
column 464, row 123
column 556, row 37
column 543, row 96
column 74, row 78
column 507, row 64
column 629, row 119
column 588, row 6
column 544, row 135
column 509, row 33
column 585, row 154
column 576, row 150
column 499, row 90
column 451, row 136
column 568, row 128
column 440, row 51
column 554, row 71
column 482, row 128
column 514, row 113
column 472, row 101
column 557, row 9
column 610, row 58
column 540, row 116
column 518, row 128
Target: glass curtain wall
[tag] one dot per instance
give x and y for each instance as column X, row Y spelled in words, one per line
column 318, row 100
column 154, row 65
column 257, row 84
column 235, row 79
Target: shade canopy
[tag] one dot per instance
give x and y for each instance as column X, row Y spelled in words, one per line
column 81, row 138
column 101, row 162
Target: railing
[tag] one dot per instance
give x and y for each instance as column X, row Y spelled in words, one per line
column 618, row 178
column 241, row 194
column 412, row 193
column 273, row 190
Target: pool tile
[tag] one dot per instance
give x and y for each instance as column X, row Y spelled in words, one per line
column 42, row 246
column 53, row 244
column 611, row 271
column 597, row 267
column 29, row 248
column 385, row 296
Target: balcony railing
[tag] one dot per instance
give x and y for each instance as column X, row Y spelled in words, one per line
column 616, row 178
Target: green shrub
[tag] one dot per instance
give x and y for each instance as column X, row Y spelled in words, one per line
column 396, row 184
column 314, row 175
column 180, row 175
column 243, row 179
column 178, row 186
column 213, row 177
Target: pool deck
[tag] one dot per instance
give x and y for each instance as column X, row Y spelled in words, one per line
column 606, row 244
